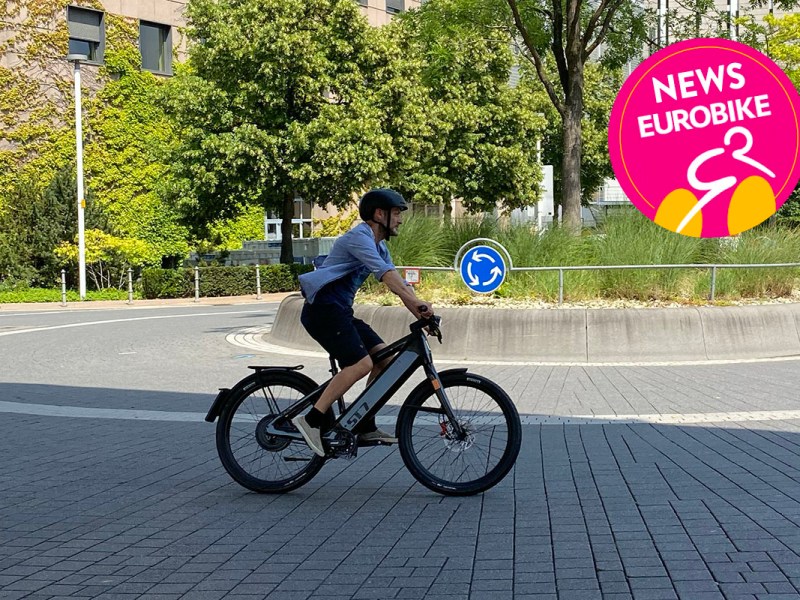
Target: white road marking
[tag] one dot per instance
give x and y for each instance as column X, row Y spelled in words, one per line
column 48, row 410
column 88, row 323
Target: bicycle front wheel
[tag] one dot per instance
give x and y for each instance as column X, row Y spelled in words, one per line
column 259, row 461
column 459, row 465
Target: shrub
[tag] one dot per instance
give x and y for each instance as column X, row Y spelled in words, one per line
column 221, row 281
column 167, row 283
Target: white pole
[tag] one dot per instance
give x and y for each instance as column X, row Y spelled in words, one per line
column 81, row 200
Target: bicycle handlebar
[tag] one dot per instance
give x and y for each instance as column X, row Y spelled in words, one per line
column 431, row 324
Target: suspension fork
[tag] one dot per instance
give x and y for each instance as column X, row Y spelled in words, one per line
column 438, row 389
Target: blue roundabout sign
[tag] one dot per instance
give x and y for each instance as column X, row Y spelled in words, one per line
column 483, row 269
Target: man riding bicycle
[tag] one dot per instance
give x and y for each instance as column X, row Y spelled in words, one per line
column 328, row 317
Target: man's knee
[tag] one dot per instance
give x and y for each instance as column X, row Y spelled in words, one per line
column 361, row 368
column 382, row 364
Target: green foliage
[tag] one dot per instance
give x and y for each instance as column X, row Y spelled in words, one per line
column 335, row 225
column 625, row 238
column 167, row 283
column 124, row 158
column 762, row 245
column 229, row 234
column 54, row 295
column 108, row 257
column 604, row 83
column 630, row 238
column 275, row 102
column 778, row 38
column 124, row 132
column 221, row 281
column 422, row 241
column 35, row 221
column 557, row 39
column 477, row 136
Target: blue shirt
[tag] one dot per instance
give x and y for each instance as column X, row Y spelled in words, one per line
column 352, row 259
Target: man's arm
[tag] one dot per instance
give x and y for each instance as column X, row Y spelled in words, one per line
column 396, row 283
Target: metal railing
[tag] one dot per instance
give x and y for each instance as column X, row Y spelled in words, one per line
column 259, row 296
column 561, row 270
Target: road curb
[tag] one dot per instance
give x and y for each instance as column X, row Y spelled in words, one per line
column 582, row 335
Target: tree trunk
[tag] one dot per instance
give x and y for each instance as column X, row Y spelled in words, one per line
column 287, row 253
column 571, row 162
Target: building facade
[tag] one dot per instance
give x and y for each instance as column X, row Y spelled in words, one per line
column 27, row 31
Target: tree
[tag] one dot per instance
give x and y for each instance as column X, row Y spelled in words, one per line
column 125, row 155
column 122, row 129
column 778, row 38
column 562, row 36
column 274, row 103
column 34, row 222
column 477, row 136
column 108, row 257
column 595, row 162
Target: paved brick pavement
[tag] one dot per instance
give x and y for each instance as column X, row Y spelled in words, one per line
column 94, row 508
column 116, row 508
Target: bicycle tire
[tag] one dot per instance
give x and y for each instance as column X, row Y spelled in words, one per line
column 413, row 449
column 260, row 390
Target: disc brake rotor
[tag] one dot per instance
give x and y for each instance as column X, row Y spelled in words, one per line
column 452, row 441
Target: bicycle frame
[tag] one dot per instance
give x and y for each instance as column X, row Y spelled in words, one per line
column 410, row 353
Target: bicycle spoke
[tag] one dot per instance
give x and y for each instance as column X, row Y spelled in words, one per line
column 470, row 459
column 283, row 462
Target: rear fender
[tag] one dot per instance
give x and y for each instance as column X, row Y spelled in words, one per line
column 245, row 384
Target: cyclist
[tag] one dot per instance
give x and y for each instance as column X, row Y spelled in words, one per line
column 327, row 314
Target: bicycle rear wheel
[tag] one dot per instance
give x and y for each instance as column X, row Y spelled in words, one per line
column 258, row 461
column 433, row 453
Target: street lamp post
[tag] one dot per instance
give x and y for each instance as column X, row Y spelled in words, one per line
column 76, row 59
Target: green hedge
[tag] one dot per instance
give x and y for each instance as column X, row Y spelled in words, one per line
column 54, row 295
column 221, row 281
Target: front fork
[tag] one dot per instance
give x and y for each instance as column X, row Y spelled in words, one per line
column 438, row 389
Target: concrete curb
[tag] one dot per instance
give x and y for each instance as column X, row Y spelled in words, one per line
column 582, row 335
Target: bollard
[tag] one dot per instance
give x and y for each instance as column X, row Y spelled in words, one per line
column 258, row 281
column 197, row 284
column 130, row 285
column 63, row 287
column 713, row 282
column 560, row 287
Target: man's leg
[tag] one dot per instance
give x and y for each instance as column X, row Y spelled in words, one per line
column 370, row 424
column 343, row 381
column 335, row 331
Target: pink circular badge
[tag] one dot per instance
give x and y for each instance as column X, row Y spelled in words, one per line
column 704, row 137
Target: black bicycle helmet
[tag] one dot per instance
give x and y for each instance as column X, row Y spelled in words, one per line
column 379, row 198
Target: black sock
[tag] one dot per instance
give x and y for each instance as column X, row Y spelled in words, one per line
column 315, row 418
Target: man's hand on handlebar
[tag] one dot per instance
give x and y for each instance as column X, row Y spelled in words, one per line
column 425, row 311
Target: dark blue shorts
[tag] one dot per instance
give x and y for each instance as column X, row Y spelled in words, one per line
column 336, row 329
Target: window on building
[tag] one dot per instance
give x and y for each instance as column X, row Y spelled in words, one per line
column 155, row 43
column 86, row 33
column 301, row 223
column 363, row 2
column 395, row 6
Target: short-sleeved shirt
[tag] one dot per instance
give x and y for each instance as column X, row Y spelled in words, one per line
column 354, row 256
